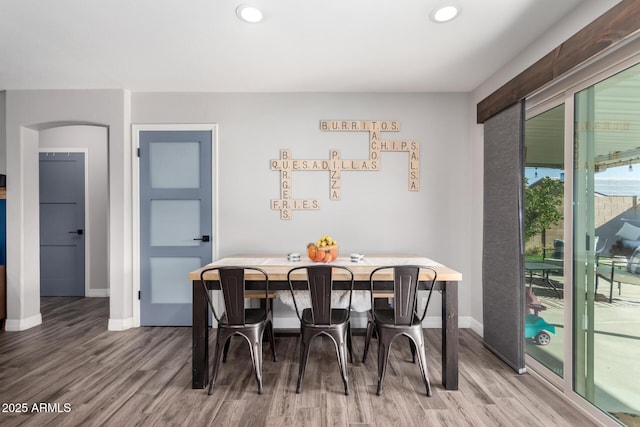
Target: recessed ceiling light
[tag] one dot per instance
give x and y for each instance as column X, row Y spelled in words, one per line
column 249, row 13
column 445, row 13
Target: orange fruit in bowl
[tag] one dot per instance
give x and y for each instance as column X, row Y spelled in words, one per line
column 312, row 250
column 334, row 252
column 325, row 253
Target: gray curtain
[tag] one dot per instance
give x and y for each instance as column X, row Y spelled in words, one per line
column 503, row 289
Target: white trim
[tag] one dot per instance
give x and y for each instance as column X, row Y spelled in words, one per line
column 135, row 223
column 569, row 111
column 135, row 184
column 476, row 327
column 543, row 372
column 289, row 322
column 121, row 324
column 464, row 322
column 431, row 322
column 23, row 324
column 98, row 293
column 532, row 110
column 87, row 226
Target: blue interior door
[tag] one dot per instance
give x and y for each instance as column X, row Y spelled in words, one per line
column 62, row 258
column 175, row 221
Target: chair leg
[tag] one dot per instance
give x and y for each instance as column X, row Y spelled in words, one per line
column 349, row 342
column 304, row 355
column 340, row 338
column 342, row 359
column 383, row 356
column 216, row 362
column 226, row 350
column 422, row 360
column 256, row 356
column 271, row 340
column 413, row 350
column 367, row 340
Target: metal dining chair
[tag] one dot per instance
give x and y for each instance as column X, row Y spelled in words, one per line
column 401, row 319
column 249, row 323
column 321, row 317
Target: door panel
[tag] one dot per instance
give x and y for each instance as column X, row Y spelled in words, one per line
column 165, row 231
column 175, row 165
column 165, row 272
column 62, row 247
column 175, row 214
column 606, row 176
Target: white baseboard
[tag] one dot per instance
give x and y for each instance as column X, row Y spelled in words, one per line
column 464, row 322
column 120, row 324
column 23, row 324
column 360, row 321
column 286, row 322
column 476, row 327
column 434, row 322
column 97, row 293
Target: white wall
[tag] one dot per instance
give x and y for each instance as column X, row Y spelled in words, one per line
column 377, row 213
column 28, row 113
column 588, row 11
column 93, row 139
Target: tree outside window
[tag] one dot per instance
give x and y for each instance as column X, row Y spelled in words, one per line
column 542, row 202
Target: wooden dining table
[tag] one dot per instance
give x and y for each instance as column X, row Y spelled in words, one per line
column 277, row 267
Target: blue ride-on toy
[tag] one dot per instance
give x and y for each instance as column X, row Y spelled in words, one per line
column 536, row 328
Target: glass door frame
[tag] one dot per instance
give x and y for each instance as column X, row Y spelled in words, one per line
column 532, row 109
column 563, row 90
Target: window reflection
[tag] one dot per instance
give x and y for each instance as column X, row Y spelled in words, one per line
column 544, row 234
column 607, row 280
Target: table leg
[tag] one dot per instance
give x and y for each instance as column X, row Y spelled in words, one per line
column 200, row 340
column 554, row 287
column 450, row 335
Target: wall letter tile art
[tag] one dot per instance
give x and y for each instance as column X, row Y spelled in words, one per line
column 334, row 164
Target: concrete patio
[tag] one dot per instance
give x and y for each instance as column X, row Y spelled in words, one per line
column 617, row 344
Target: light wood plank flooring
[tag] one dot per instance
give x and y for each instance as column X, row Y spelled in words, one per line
column 143, row 377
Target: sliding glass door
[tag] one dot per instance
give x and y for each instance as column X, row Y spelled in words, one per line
column 582, row 229
column 544, row 238
column 606, row 245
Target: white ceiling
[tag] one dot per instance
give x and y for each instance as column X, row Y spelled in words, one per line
column 302, row 45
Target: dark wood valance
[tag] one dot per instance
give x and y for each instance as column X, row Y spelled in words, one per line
column 615, row 25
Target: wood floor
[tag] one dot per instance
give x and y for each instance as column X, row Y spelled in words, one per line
column 90, row 376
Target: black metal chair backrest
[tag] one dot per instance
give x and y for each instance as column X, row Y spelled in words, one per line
column 319, row 284
column 405, row 290
column 233, row 286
